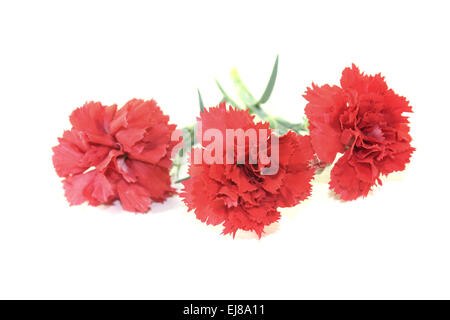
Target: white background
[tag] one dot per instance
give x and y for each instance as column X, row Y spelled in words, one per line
column 55, row 55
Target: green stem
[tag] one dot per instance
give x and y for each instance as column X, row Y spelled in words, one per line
column 277, row 122
column 181, row 180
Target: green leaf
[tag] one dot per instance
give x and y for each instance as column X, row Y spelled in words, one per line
column 225, row 95
column 241, row 89
column 200, row 101
column 273, row 77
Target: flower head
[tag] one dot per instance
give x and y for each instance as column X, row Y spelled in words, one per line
column 240, row 195
column 363, row 119
column 116, row 154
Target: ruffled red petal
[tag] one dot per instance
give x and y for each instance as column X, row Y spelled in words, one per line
column 323, row 109
column 68, row 155
column 155, row 179
column 222, row 118
column 93, row 119
column 112, row 154
column 296, row 185
column 353, row 80
column 133, row 197
column 238, row 195
column 92, row 187
column 367, row 118
column 348, row 180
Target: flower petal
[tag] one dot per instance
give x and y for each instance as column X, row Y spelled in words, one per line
column 94, row 119
column 133, row 197
column 68, row 155
column 352, row 79
column 154, row 179
column 347, row 181
column 323, row 110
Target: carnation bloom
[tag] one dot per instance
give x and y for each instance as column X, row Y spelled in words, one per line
column 239, row 195
column 116, row 154
column 363, row 119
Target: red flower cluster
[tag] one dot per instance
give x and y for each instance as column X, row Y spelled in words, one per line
column 125, row 154
column 364, row 120
column 116, row 154
column 239, row 195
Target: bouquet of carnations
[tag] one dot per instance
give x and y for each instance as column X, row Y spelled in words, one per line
column 243, row 164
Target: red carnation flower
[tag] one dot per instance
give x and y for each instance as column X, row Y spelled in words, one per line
column 239, row 195
column 112, row 154
column 364, row 120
